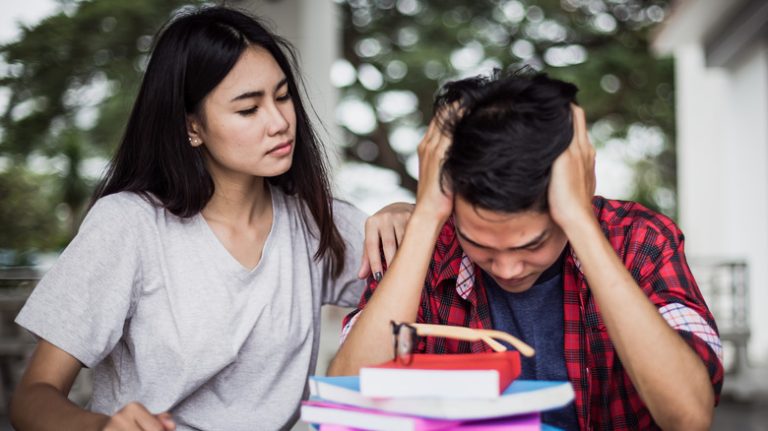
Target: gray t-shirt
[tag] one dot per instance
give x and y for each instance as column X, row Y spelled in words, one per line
column 165, row 316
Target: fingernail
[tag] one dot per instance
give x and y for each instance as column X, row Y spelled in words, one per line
column 377, row 276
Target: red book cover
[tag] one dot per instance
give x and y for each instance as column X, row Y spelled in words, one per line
column 472, row 375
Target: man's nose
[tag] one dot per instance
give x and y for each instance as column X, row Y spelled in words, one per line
column 507, row 266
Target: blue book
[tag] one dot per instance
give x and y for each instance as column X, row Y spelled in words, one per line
column 520, row 397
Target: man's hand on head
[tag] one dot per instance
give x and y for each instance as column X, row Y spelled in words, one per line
column 431, row 198
column 572, row 184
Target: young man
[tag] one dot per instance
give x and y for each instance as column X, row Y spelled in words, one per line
column 506, row 234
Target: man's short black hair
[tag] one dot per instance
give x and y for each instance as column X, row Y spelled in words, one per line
column 507, row 131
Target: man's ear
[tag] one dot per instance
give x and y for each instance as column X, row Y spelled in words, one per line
column 194, row 130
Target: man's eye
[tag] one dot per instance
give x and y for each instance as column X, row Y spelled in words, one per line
column 248, row 111
column 535, row 246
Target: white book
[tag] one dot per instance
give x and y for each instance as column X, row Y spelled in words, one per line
column 388, row 383
column 522, row 396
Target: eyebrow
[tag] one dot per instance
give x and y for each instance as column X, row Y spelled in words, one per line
column 259, row 93
column 529, row 244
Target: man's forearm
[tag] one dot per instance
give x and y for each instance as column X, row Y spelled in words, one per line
column 397, row 297
column 42, row 407
column 670, row 378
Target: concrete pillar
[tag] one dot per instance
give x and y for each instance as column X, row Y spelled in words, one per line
column 744, row 173
column 699, row 150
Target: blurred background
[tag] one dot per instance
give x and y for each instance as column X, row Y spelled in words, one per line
column 676, row 94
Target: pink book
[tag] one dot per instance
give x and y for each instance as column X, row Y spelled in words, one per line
column 339, row 415
column 336, row 417
column 529, row 422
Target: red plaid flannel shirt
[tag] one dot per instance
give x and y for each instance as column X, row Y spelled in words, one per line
column 651, row 247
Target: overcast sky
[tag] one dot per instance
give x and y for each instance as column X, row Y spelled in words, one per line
column 26, row 11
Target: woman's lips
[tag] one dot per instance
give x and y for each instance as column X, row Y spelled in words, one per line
column 282, row 149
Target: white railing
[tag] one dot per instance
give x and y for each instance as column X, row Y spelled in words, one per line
column 725, row 286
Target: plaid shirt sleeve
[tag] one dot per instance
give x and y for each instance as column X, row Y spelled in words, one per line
column 351, row 318
column 663, row 273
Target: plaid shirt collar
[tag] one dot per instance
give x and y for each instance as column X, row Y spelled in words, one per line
column 465, row 281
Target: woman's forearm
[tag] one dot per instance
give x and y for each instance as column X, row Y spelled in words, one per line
column 41, row 406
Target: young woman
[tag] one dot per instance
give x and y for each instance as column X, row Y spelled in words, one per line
column 193, row 288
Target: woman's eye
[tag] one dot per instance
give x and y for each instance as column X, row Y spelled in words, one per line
column 248, row 111
column 284, row 97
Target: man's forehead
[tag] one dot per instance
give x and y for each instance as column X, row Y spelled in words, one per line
column 501, row 230
column 475, row 214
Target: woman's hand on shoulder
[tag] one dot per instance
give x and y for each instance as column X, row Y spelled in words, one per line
column 136, row 417
column 384, row 231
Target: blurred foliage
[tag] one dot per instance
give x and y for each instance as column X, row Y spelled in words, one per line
column 600, row 45
column 28, row 202
column 70, row 82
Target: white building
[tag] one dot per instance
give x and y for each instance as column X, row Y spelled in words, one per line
column 720, row 49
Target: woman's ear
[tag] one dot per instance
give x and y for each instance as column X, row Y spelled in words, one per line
column 193, row 131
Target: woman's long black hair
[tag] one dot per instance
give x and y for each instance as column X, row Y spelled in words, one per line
column 192, row 55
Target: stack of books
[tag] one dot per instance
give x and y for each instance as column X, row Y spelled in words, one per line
column 476, row 392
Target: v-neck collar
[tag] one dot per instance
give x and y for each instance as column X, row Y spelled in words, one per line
column 224, row 257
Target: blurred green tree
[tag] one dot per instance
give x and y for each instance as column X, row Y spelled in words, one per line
column 398, row 52
column 28, row 200
column 70, row 81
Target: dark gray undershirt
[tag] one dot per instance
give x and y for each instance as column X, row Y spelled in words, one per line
column 536, row 317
